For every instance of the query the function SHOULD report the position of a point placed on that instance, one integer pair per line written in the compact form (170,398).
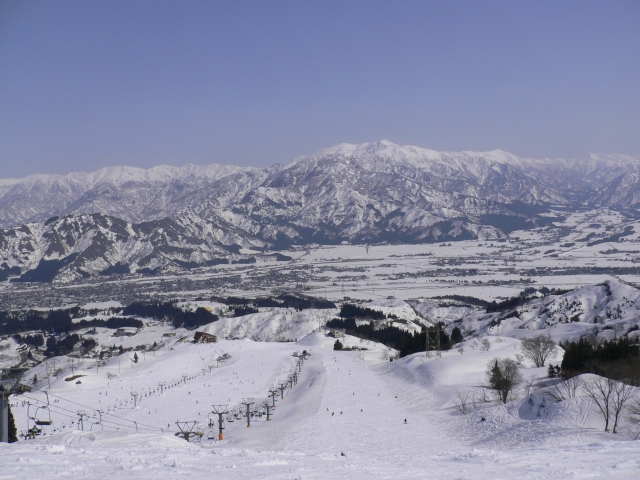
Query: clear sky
(86,84)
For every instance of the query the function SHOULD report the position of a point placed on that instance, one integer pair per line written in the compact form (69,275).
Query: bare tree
(599,390)
(538,349)
(564,390)
(460,350)
(634,413)
(503,377)
(528,384)
(480,395)
(485,345)
(462,402)
(620,395)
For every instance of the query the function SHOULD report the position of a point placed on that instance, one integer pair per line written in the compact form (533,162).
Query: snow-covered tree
(538,349)
(503,376)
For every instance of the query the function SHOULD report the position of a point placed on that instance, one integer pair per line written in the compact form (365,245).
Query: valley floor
(345,403)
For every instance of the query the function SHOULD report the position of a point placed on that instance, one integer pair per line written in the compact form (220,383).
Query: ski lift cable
(104,413)
(52,406)
(65,415)
(73,415)
(107,423)
(151,428)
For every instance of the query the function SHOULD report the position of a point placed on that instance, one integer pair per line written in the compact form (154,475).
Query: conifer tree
(13,431)
(456,335)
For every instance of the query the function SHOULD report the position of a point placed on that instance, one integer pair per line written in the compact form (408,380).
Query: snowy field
(350,402)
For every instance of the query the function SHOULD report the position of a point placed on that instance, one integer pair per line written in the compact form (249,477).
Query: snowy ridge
(381,176)
(369,193)
(110,190)
(273,325)
(610,309)
(119,175)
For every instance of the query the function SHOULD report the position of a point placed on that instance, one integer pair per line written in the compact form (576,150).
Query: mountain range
(125,219)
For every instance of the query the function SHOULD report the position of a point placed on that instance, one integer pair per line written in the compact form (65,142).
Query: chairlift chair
(43,418)
(38,417)
(98,425)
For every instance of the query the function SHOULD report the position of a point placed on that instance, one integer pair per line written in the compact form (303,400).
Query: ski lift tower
(186,429)
(272,393)
(221,411)
(81,414)
(282,386)
(267,407)
(432,341)
(7,388)
(247,402)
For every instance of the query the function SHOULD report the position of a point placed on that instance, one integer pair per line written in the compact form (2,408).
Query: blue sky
(86,84)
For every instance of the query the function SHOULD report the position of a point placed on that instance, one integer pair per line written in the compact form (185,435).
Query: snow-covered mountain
(83,245)
(607,310)
(349,187)
(368,193)
(130,193)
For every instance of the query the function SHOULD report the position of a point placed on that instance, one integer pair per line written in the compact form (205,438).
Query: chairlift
(41,415)
(98,427)
(98,424)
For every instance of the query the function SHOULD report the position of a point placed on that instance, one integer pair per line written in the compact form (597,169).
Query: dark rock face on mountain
(76,246)
(123,219)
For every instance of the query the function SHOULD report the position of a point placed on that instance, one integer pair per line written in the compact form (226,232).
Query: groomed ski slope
(345,402)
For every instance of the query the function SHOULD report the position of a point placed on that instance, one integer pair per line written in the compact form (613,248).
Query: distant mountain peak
(366,193)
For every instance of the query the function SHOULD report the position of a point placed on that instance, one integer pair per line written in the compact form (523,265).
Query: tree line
(57,321)
(405,342)
(167,311)
(618,359)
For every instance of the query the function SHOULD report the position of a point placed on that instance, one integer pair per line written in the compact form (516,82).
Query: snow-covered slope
(272,325)
(352,414)
(607,310)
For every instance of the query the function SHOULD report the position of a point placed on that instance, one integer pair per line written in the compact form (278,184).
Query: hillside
(350,403)
(607,310)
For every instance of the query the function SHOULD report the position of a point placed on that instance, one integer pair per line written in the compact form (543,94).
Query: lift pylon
(221,411)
